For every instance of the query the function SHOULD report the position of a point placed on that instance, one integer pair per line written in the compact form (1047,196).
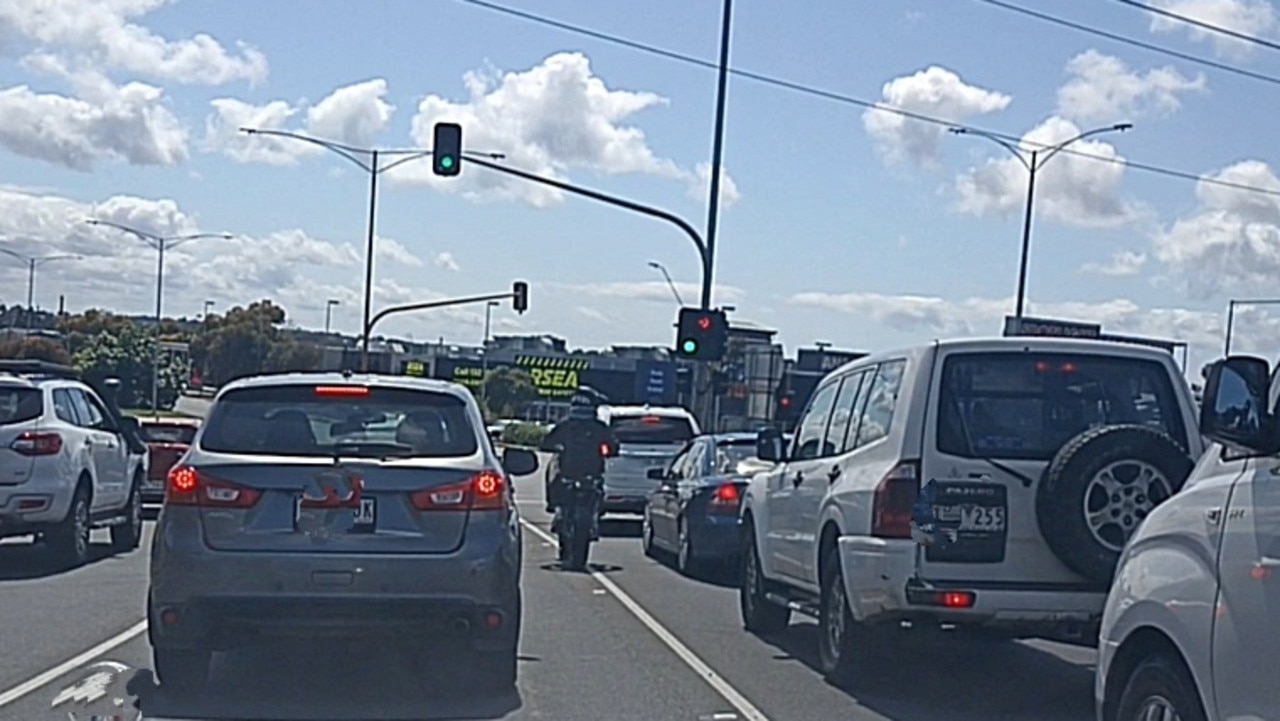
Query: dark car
(167,440)
(694,511)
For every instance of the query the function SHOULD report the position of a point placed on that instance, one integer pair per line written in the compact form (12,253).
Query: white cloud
(101,34)
(354,114)
(1103,89)
(1248,17)
(936,92)
(548,120)
(592,313)
(131,123)
(1232,241)
(650,291)
(1070,188)
(446,260)
(394,251)
(1122,263)
(700,185)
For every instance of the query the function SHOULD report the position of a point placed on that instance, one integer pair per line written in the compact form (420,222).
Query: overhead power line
(1169,52)
(848,99)
(1254,39)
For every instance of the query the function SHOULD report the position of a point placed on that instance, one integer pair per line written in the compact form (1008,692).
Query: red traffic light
(704,323)
(785,402)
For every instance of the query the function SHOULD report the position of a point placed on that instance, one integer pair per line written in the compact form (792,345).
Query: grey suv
(326,502)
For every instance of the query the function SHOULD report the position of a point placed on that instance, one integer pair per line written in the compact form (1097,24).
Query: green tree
(35,347)
(508,392)
(124,350)
(247,341)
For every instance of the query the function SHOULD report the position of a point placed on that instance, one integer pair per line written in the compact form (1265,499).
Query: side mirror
(657,473)
(770,446)
(519,461)
(1234,411)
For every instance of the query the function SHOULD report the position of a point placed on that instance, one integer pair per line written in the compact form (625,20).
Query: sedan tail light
(894,499)
(485,491)
(188,486)
(35,443)
(725,499)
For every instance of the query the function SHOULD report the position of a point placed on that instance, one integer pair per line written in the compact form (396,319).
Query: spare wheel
(1098,489)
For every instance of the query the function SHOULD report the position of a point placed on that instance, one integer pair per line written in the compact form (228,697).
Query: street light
(207,305)
(161,243)
(484,355)
(33,261)
(373,168)
(328,312)
(670,284)
(1033,165)
(1231,314)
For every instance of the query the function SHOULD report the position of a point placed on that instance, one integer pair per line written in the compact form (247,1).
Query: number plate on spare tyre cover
(972,521)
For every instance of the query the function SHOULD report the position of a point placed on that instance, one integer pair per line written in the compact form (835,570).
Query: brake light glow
(725,499)
(342,391)
(485,491)
(651,419)
(34,443)
(895,496)
(956,599)
(187,486)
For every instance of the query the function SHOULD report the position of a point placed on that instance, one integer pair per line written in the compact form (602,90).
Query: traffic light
(520,296)
(446,149)
(701,334)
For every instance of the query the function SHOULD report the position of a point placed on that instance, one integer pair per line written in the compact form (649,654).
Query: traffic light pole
(613,200)
(427,305)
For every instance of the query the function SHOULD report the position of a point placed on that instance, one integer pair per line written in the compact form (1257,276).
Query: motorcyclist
(582,442)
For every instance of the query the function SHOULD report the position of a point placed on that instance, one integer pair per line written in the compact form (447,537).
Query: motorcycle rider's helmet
(583,406)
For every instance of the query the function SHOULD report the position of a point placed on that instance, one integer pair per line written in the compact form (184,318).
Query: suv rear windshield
(1028,405)
(168,433)
(304,420)
(19,405)
(651,429)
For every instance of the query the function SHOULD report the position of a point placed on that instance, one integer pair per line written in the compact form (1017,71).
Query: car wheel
(1160,688)
(182,669)
(1099,488)
(759,615)
(646,535)
(686,561)
(70,540)
(128,535)
(844,644)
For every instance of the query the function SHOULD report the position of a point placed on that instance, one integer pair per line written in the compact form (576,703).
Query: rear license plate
(362,518)
(972,521)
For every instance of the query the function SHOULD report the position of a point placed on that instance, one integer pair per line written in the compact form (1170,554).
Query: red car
(168,439)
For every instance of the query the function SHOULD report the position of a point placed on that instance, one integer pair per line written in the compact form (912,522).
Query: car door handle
(1213,515)
(797,479)
(1269,562)
(833,474)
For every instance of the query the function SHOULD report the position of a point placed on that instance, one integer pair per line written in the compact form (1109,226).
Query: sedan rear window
(19,405)
(1028,405)
(304,420)
(651,429)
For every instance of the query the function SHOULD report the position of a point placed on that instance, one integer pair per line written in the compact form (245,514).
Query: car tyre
(686,560)
(69,542)
(844,644)
(182,669)
(759,614)
(1157,686)
(128,535)
(646,535)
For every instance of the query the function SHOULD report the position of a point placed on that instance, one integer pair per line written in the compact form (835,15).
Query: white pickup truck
(974,487)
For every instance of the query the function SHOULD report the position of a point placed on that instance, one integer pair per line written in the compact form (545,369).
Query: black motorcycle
(578,508)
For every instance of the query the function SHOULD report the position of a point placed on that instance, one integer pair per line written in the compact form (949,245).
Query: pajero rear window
(1028,405)
(19,404)
(651,429)
(340,420)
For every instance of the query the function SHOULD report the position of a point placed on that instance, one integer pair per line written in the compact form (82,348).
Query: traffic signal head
(701,334)
(520,296)
(446,149)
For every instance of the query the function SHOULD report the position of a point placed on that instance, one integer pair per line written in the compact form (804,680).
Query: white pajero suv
(1191,630)
(68,462)
(988,485)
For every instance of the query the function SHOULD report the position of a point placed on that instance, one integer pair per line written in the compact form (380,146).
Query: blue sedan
(693,513)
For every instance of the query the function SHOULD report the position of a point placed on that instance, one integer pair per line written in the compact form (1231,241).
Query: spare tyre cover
(1099,487)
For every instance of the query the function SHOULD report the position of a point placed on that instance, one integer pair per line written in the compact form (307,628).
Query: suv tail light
(725,499)
(35,443)
(188,486)
(485,491)
(895,496)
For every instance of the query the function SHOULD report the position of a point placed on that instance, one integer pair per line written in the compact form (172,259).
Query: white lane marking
(699,667)
(71,664)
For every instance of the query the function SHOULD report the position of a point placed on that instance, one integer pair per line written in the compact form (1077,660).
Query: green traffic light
(446,161)
(690,346)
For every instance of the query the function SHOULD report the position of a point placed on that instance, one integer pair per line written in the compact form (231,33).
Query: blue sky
(861,231)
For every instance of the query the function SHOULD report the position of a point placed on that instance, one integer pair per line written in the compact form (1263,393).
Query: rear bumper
(881,585)
(715,535)
(619,503)
(33,507)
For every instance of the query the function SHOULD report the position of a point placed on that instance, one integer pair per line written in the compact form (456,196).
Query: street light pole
(1231,314)
(717,152)
(161,243)
(204,315)
(670,284)
(484,356)
(32,262)
(328,313)
(1033,165)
